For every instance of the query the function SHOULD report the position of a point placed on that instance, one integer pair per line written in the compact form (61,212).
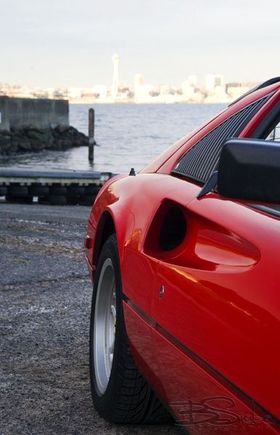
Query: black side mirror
(250,169)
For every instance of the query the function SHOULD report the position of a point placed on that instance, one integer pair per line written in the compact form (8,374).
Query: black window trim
(266,209)
(266,98)
(268,124)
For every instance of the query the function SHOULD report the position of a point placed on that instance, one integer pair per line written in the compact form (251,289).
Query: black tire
(128,399)
(72,200)
(43,200)
(17,190)
(92,190)
(39,190)
(75,190)
(86,200)
(58,190)
(19,199)
(3,190)
(57,200)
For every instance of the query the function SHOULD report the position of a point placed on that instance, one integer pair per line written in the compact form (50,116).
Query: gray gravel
(44,320)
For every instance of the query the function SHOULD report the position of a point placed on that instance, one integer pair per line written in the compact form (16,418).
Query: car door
(217,311)
(221,298)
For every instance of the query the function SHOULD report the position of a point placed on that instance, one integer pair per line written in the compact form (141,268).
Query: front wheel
(120,393)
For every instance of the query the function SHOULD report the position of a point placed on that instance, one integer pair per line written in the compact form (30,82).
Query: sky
(64,43)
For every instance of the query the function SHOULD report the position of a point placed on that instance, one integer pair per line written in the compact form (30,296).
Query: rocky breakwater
(31,139)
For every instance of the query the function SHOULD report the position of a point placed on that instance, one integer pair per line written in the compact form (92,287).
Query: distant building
(138,80)
(164,89)
(100,91)
(115,84)
(189,88)
(235,90)
(215,89)
(212,82)
(143,93)
(75,93)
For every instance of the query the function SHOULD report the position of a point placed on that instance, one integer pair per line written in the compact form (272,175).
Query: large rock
(6,145)
(32,139)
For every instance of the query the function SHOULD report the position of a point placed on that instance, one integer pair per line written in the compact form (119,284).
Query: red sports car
(184,258)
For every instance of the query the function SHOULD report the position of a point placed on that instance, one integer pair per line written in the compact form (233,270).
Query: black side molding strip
(247,400)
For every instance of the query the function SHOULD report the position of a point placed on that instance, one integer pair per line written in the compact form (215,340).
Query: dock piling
(91,140)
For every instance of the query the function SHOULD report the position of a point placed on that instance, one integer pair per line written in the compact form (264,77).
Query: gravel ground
(44,320)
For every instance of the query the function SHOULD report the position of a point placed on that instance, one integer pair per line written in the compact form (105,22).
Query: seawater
(127,135)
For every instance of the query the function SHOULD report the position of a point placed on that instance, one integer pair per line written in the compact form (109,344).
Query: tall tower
(115,85)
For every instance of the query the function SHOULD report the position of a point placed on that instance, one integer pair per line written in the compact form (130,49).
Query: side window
(202,159)
(275,133)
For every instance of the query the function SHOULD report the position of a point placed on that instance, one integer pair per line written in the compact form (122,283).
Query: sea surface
(127,135)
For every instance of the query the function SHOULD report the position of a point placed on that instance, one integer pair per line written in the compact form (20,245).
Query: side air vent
(168,228)
(201,160)
(173,229)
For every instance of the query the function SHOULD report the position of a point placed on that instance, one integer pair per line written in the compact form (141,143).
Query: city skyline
(55,44)
(214,90)
(116,80)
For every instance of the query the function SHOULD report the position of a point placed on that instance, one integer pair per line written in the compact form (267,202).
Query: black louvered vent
(202,159)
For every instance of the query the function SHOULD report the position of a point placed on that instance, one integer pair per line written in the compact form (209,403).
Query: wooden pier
(51,187)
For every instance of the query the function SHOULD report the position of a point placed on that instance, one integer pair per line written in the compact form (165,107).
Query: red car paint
(203,319)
